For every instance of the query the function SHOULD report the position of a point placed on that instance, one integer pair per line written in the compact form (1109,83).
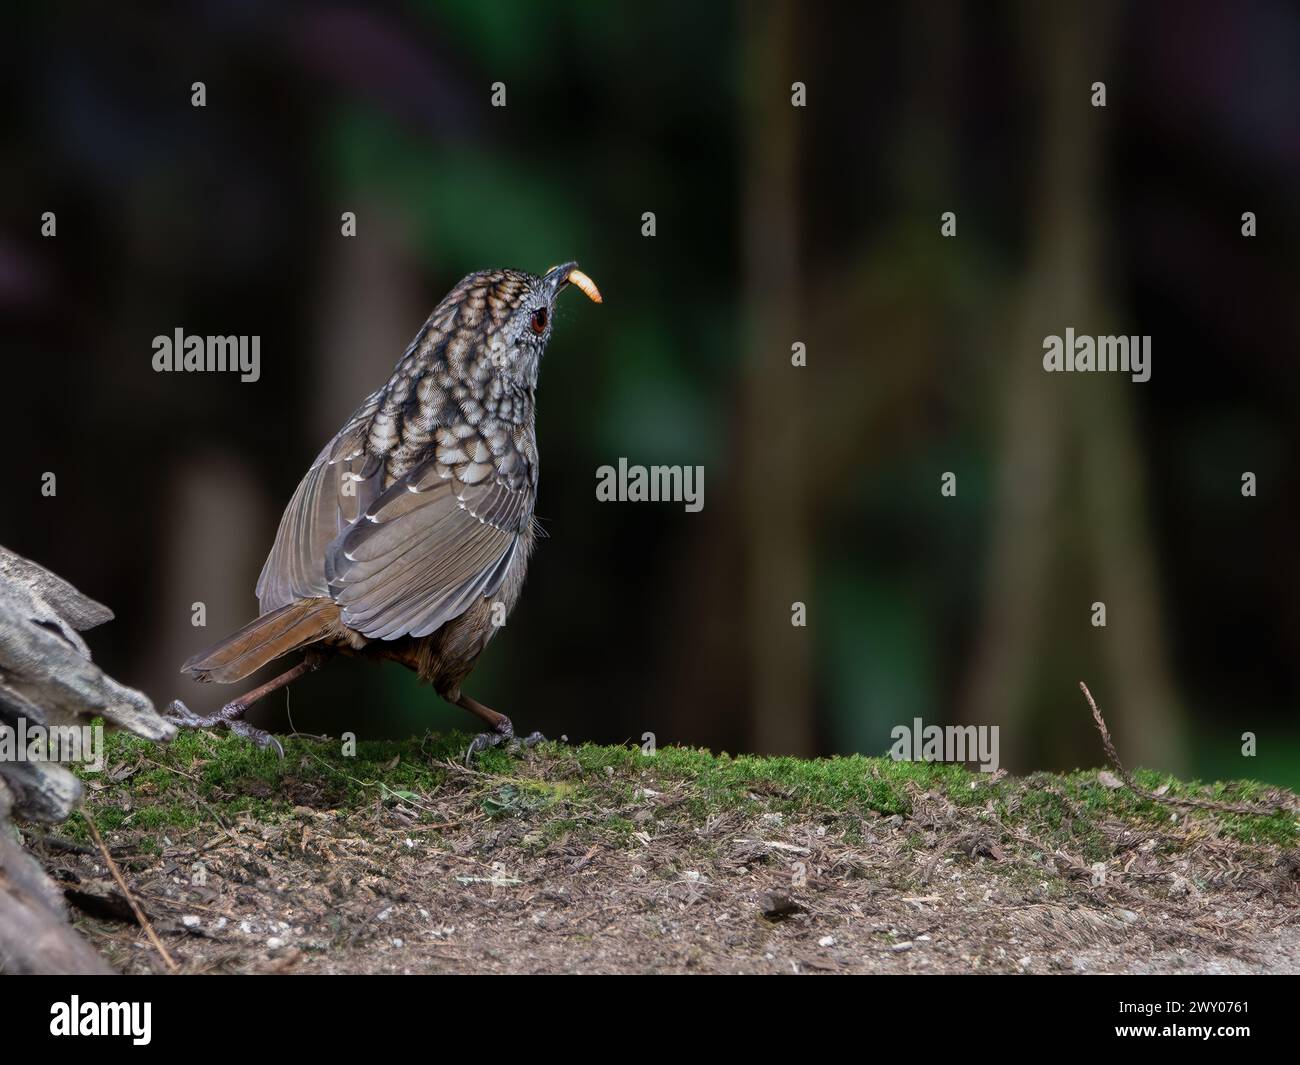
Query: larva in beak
(588,287)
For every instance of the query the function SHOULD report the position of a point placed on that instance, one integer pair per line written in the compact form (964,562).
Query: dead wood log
(48,682)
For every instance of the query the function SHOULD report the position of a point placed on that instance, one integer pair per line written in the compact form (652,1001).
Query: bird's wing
(341,483)
(432,542)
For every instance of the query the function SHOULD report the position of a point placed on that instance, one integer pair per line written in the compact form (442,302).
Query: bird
(409,537)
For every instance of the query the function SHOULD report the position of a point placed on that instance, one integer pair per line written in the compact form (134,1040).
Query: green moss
(854,784)
(209,778)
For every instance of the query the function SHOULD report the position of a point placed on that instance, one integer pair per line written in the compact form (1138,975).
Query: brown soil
(446,884)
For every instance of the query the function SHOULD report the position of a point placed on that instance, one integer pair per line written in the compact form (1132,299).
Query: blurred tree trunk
(807,437)
(1043,503)
(219,530)
(774,512)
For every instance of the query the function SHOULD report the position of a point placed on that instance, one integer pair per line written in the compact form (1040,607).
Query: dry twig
(1217,805)
(126,892)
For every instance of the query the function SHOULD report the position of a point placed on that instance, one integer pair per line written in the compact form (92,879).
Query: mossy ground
(203,776)
(554,840)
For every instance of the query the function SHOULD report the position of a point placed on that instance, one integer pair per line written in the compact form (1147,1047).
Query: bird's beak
(569,274)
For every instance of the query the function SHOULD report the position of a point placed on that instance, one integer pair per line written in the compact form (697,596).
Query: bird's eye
(539,321)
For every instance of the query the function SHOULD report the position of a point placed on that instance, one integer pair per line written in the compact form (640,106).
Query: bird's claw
(504,732)
(257,736)
(182,716)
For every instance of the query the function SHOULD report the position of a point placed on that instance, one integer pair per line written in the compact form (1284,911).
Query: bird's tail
(269,637)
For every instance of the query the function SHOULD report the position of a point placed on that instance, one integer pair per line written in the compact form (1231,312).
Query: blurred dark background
(775,225)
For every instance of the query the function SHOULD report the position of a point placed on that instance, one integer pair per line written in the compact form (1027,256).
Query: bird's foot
(502,732)
(231,716)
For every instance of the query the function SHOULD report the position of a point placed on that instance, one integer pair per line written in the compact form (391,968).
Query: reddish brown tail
(261,641)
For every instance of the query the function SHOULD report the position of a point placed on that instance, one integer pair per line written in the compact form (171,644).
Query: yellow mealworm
(586,284)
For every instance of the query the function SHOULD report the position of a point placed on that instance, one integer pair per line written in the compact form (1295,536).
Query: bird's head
(502,319)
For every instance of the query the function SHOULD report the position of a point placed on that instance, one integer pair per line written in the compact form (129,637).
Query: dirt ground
(555,863)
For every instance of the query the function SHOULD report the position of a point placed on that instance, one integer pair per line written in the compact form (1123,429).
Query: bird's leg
(501,730)
(232,714)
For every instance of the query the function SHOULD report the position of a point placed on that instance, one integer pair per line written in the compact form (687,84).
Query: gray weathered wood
(48,679)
